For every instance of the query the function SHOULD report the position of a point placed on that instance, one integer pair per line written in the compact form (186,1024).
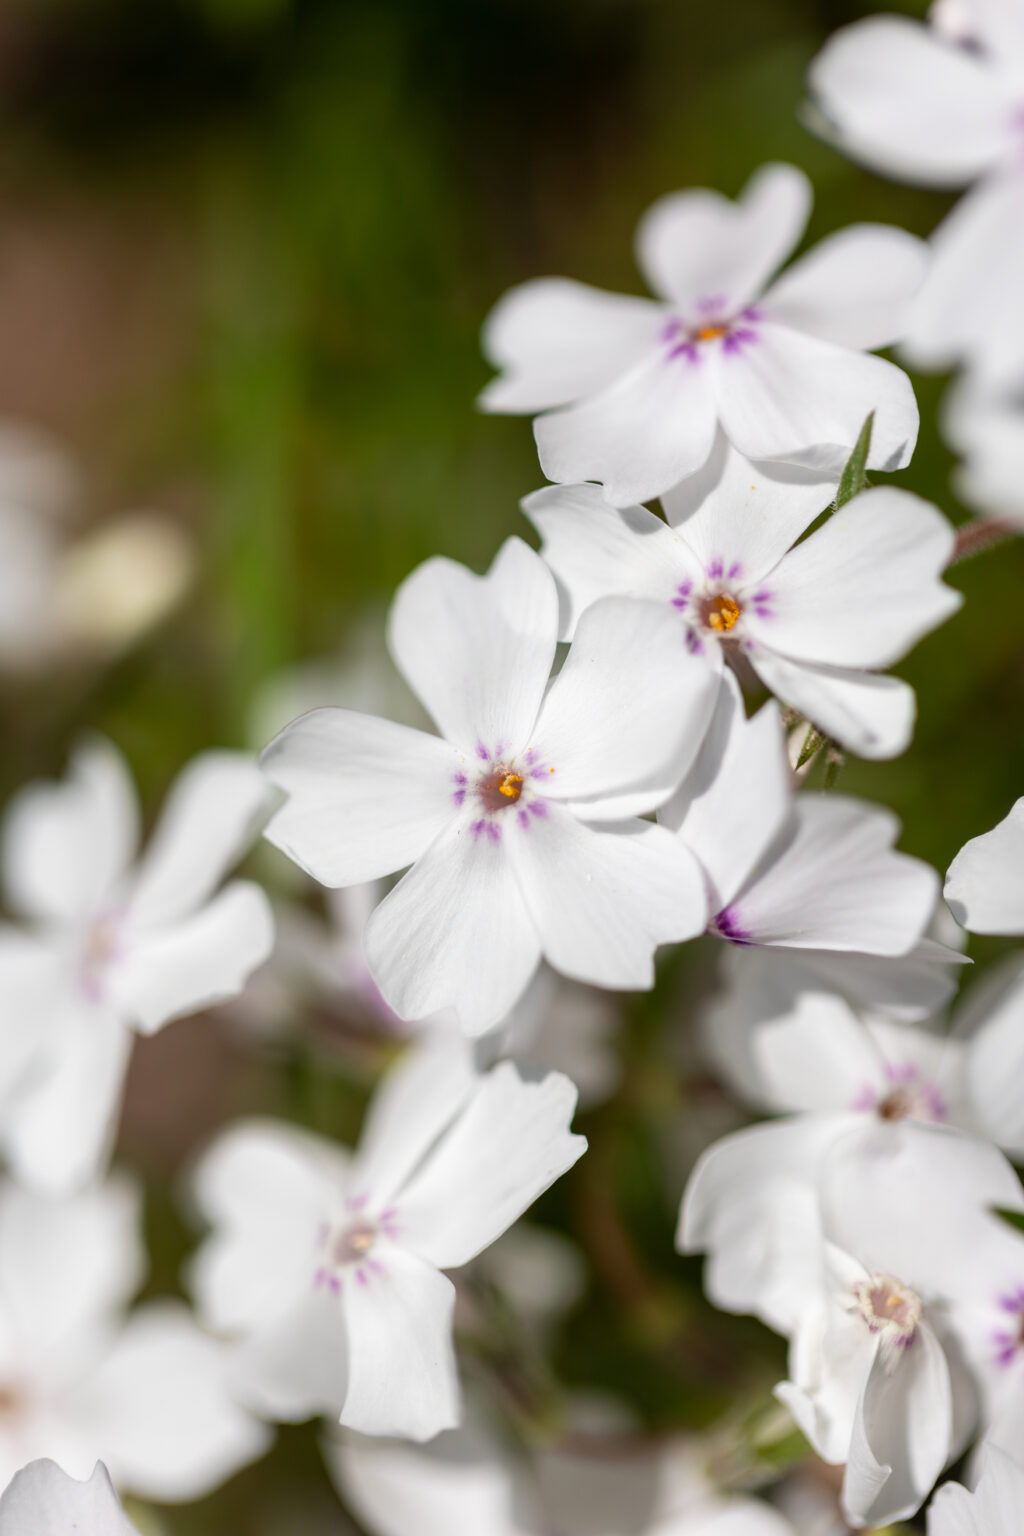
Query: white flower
(43,1500)
(112,947)
(644,383)
(993,1509)
(814,872)
(786,1046)
(329,1267)
(985,884)
(988,431)
(944,106)
(872,1389)
(82,1380)
(816,622)
(519,821)
(466,1482)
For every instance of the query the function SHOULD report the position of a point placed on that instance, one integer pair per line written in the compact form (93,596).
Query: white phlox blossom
(993,1509)
(817,622)
(635,389)
(81,1378)
(42,1500)
(520,821)
(785,1045)
(464,1481)
(988,431)
(809,872)
(943,105)
(110,946)
(985,883)
(327,1267)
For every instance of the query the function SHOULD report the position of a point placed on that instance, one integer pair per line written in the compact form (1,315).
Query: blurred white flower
(993,1509)
(42,1500)
(634,389)
(110,946)
(328,1267)
(810,872)
(816,621)
(520,821)
(82,1379)
(465,1482)
(985,883)
(988,431)
(944,106)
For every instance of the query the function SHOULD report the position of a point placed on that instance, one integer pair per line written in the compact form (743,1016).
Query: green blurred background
(246,247)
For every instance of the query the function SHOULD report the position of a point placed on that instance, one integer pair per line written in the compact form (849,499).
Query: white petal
(54,1305)
(985,884)
(198,961)
(604,897)
(737,797)
(458,1483)
(67,844)
(210,816)
(864,587)
(510,1142)
(989,432)
(597,550)
(33,986)
(750,1205)
(455,932)
(478,649)
(867,714)
(639,436)
(625,716)
(43,1500)
(992,1022)
(854,288)
(739,512)
(365,796)
(402,1377)
(266,1188)
(296,1366)
(905,987)
(903,1428)
(694,246)
(971,308)
(910,103)
(789,396)
(558,341)
(160,1407)
(58,1133)
(838,884)
(418,1098)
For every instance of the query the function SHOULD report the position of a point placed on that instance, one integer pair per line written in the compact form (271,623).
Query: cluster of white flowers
(554,818)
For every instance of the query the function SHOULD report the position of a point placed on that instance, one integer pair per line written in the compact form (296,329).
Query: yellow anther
(511,786)
(712,332)
(720,612)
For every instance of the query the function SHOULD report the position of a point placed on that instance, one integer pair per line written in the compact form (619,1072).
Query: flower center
(101,947)
(719,612)
(891,1309)
(712,332)
(353,1243)
(501,788)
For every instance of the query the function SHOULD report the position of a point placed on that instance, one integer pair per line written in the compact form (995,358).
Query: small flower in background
(816,621)
(520,821)
(82,1377)
(42,1500)
(944,106)
(634,389)
(328,1267)
(109,946)
(993,1509)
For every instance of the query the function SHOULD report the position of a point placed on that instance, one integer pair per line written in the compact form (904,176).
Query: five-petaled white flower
(944,105)
(43,1500)
(328,1267)
(816,622)
(985,883)
(81,1378)
(521,820)
(642,384)
(112,947)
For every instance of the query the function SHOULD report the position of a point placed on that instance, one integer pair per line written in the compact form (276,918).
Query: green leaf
(854,478)
(813,742)
(1013,1218)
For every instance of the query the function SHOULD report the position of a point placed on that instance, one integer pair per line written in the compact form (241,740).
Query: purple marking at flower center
(102,947)
(1009,1342)
(726,925)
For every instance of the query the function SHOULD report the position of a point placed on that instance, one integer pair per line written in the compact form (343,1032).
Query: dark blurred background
(246,247)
